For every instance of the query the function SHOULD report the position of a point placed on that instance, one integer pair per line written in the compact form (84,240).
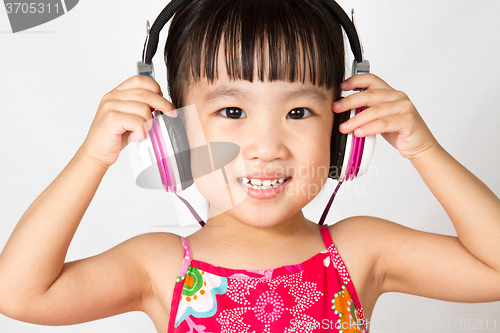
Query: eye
(298,113)
(232,113)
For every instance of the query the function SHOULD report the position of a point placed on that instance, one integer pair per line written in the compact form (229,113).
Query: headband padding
(180,144)
(338,145)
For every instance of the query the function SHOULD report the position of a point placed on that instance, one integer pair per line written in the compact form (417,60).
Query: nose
(265,139)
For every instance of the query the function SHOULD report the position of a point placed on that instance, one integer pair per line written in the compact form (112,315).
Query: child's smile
(264,186)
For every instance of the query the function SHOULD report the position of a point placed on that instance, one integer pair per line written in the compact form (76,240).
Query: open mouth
(263,184)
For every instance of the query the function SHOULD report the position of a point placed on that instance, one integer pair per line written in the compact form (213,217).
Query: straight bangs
(285,40)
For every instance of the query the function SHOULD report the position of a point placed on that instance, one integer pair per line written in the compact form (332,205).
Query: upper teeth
(267,182)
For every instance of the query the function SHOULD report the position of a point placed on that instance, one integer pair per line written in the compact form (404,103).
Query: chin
(263,218)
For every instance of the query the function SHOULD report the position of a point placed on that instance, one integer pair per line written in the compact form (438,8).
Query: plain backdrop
(443,54)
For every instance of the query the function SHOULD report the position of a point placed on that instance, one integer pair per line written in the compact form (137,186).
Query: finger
(121,122)
(130,126)
(137,134)
(138,108)
(148,97)
(394,123)
(371,114)
(364,81)
(367,98)
(142,82)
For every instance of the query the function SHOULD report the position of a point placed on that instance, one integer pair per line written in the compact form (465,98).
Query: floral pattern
(198,294)
(349,321)
(266,306)
(294,298)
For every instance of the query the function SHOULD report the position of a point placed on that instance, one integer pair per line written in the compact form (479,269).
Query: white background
(443,54)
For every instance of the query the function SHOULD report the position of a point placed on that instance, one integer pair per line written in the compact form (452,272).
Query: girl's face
(283,130)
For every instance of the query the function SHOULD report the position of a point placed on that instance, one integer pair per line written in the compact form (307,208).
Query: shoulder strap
(186,260)
(327,237)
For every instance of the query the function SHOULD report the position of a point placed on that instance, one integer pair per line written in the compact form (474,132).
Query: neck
(227,227)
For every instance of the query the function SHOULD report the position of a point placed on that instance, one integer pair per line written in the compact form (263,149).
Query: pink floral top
(314,296)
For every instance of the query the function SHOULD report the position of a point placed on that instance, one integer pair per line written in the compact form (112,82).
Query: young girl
(261,266)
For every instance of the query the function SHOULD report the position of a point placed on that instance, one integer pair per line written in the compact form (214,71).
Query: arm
(38,287)
(463,268)
(472,207)
(35,283)
(424,264)
(34,254)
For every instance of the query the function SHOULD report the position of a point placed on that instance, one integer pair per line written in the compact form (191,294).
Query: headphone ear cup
(337,145)
(180,145)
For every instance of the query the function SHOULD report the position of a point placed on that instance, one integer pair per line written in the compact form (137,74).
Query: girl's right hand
(121,111)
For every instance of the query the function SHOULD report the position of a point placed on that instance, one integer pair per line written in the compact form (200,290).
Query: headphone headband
(151,44)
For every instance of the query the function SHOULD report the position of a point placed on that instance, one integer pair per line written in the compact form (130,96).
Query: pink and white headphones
(349,156)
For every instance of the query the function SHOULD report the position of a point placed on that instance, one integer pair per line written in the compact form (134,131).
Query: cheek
(212,185)
(193,123)
(313,157)
(315,165)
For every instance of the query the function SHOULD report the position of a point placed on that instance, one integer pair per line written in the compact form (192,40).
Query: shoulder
(367,233)
(361,229)
(360,242)
(371,245)
(357,238)
(161,255)
(357,232)
(368,237)
(158,250)
(157,242)
(365,245)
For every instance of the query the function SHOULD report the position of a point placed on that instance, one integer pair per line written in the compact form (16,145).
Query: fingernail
(344,126)
(359,131)
(135,136)
(343,85)
(336,105)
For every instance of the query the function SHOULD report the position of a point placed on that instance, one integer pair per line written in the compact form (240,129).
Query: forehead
(224,85)
(281,91)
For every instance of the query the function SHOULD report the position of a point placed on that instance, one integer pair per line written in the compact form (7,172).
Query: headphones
(349,155)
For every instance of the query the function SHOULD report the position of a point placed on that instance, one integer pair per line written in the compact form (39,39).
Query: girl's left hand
(389,113)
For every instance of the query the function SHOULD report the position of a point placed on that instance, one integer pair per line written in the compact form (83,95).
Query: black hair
(300,35)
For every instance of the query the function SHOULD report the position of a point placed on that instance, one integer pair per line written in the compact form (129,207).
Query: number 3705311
(32,7)
(471,324)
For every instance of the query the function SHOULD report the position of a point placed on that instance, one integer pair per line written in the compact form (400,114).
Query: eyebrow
(226,90)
